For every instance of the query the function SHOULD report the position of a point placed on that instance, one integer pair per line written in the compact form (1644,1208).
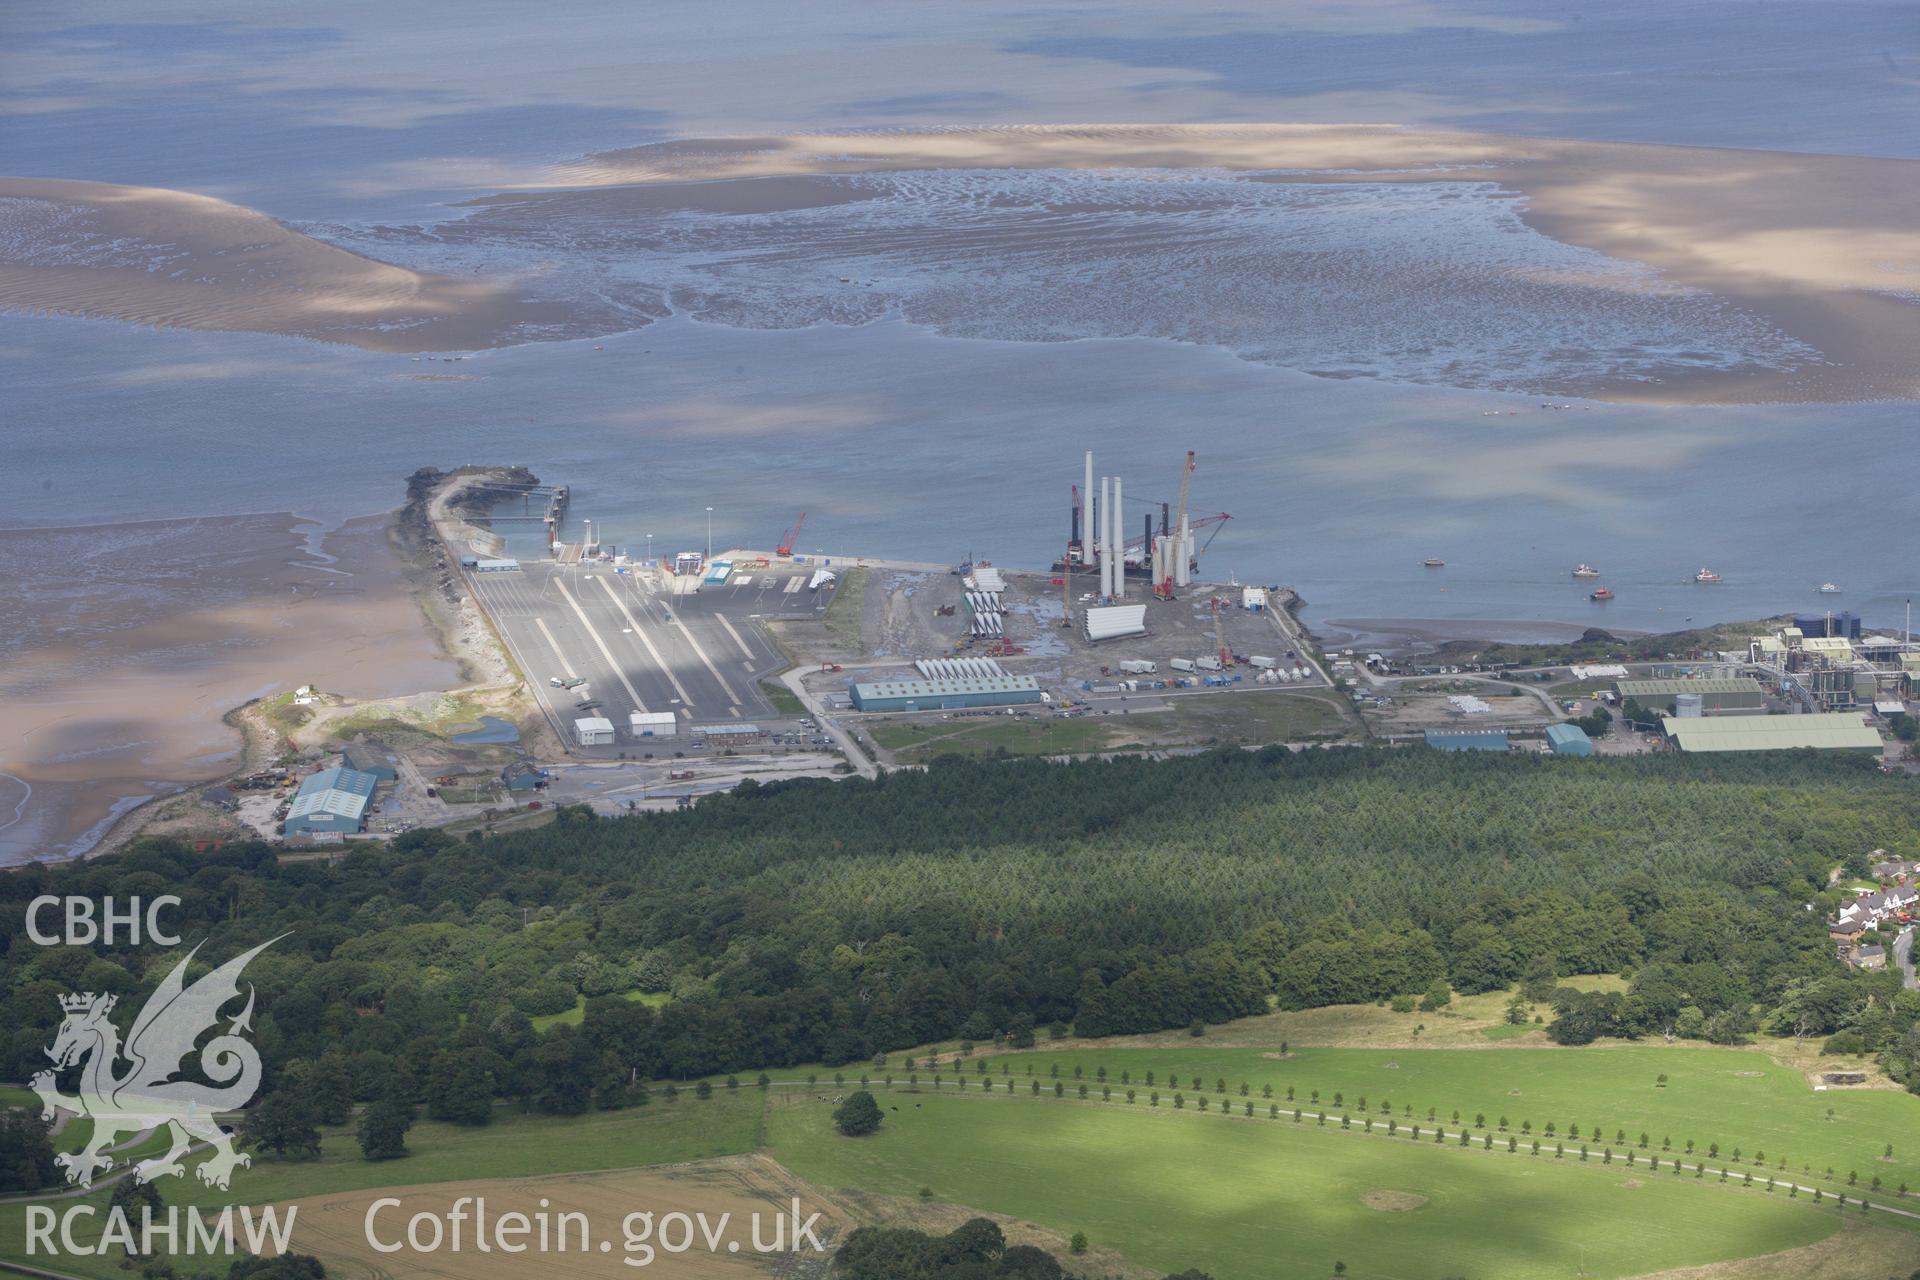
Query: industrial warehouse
(1820,731)
(331,802)
(937,695)
(1705,695)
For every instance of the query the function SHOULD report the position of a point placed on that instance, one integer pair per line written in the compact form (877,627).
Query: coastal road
(1903,956)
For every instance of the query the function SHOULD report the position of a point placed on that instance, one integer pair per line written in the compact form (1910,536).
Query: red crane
(791,536)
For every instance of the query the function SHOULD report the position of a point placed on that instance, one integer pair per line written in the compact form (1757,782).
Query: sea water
(935,403)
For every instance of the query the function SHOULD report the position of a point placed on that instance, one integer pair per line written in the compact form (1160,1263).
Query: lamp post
(709,533)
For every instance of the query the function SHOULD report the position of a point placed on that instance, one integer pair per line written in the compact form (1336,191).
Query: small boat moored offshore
(1601,593)
(1433,562)
(1586,571)
(1706,575)
(1829,589)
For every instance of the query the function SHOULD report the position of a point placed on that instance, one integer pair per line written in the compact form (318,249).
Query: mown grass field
(1731,1097)
(1243,716)
(921,739)
(512,1146)
(1253,1199)
(575,1016)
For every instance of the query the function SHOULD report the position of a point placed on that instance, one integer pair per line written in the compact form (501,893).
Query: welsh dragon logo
(145,1095)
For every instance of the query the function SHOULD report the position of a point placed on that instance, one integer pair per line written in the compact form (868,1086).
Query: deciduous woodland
(980,900)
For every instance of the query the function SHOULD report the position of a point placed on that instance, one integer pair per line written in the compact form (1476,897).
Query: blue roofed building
(1568,740)
(369,757)
(1467,739)
(333,800)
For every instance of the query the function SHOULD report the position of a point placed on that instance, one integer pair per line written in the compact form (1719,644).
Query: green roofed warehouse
(1832,731)
(1715,695)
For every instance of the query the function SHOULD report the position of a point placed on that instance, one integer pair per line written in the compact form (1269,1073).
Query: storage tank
(1688,706)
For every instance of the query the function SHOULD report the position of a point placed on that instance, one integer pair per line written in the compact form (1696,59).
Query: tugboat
(1706,575)
(1586,571)
(1601,593)
(1829,589)
(1433,562)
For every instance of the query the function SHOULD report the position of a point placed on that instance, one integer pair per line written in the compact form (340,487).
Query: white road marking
(736,636)
(566,668)
(701,654)
(646,640)
(598,642)
(793,585)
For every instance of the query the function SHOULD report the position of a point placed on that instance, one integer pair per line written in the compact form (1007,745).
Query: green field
(1252,1199)
(1240,716)
(575,1016)
(514,1145)
(843,616)
(781,699)
(1731,1097)
(918,740)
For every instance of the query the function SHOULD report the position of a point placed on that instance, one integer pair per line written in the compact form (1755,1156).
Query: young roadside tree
(858,1116)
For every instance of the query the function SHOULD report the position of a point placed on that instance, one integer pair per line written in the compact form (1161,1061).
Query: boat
(1601,593)
(1433,562)
(1706,575)
(1586,571)
(1829,589)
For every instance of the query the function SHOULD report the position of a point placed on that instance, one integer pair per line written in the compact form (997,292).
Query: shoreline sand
(150,256)
(124,669)
(1825,249)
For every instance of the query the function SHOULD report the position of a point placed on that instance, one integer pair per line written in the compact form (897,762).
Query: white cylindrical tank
(1688,706)
(1119,546)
